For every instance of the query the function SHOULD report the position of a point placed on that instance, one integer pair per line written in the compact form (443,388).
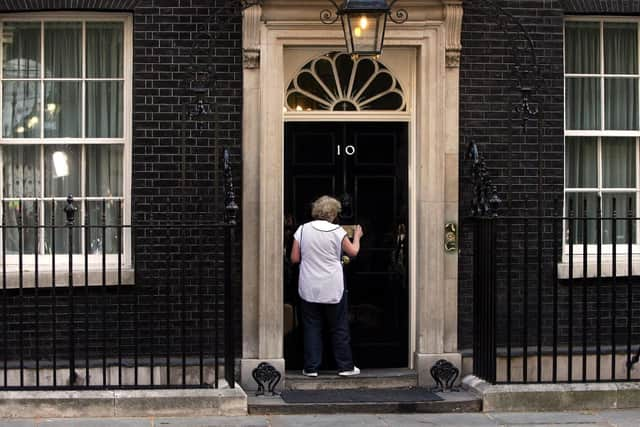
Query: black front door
(365,166)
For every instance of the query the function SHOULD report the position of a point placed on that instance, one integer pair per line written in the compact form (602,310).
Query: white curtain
(581,162)
(21,50)
(104,98)
(618,163)
(63,49)
(21,177)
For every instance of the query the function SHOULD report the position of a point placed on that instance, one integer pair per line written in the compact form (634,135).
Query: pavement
(618,418)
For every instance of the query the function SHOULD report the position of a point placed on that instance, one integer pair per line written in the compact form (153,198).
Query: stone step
(452,402)
(368,378)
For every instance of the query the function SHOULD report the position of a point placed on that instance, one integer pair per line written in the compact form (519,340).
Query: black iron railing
(154,308)
(556,297)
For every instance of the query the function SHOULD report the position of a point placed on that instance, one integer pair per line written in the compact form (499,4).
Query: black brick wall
(486,97)
(601,7)
(34,5)
(165,44)
(487,94)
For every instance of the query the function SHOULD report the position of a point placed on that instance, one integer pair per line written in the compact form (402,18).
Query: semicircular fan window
(336,82)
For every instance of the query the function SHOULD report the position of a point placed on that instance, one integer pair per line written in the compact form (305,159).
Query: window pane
(583,103)
(575,204)
(21,170)
(21,109)
(104,170)
(104,109)
(113,216)
(618,162)
(62,170)
(62,115)
(60,235)
(621,104)
(581,162)
(11,211)
(582,48)
(63,49)
(622,208)
(104,49)
(620,48)
(21,49)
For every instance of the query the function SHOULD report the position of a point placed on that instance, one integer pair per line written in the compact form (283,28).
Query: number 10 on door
(349,150)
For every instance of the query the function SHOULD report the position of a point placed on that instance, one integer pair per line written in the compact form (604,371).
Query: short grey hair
(326,208)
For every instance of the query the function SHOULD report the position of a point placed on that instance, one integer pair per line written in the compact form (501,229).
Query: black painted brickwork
(33,5)
(165,44)
(601,7)
(486,97)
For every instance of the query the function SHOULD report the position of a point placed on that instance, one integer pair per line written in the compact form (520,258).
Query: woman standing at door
(318,247)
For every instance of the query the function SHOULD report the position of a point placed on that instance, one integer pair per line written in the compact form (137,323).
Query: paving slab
(621,417)
(96,422)
(17,423)
(452,420)
(212,422)
(545,418)
(327,421)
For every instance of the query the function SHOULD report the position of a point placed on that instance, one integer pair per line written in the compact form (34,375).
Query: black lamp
(364,23)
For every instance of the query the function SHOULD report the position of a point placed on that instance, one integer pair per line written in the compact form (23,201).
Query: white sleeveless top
(321,278)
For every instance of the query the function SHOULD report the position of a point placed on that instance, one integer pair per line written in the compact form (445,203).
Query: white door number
(349,150)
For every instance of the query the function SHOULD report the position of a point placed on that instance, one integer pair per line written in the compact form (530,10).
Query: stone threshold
(369,378)
(453,402)
(553,397)
(224,401)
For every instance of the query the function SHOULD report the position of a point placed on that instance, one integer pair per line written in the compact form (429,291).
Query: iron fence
(556,297)
(153,308)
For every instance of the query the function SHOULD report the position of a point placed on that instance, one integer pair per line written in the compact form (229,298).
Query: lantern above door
(364,23)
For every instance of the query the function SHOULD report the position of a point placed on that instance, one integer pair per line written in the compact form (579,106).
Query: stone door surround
(433,33)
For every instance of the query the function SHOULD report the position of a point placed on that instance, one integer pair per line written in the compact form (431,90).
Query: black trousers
(314,315)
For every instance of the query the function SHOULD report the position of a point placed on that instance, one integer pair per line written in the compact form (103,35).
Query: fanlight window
(337,82)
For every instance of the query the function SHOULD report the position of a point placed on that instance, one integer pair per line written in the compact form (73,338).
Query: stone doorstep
(369,378)
(553,397)
(454,402)
(124,403)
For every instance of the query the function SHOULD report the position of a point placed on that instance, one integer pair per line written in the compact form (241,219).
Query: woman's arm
(352,249)
(295,252)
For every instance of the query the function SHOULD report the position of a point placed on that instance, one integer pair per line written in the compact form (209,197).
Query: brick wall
(514,164)
(487,97)
(167,291)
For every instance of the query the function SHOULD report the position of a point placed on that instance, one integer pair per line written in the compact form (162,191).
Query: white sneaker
(309,374)
(354,371)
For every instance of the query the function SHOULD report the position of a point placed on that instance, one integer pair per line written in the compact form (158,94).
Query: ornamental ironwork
(266,375)
(485,200)
(338,82)
(445,374)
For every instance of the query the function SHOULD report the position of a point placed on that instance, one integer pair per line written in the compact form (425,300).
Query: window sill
(93,278)
(606,267)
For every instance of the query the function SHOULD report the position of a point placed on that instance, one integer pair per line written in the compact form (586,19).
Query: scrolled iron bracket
(445,374)
(266,375)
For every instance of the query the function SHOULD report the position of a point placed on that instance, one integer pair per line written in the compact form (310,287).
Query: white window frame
(606,249)
(62,260)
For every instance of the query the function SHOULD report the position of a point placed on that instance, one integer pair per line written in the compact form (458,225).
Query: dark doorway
(364,165)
